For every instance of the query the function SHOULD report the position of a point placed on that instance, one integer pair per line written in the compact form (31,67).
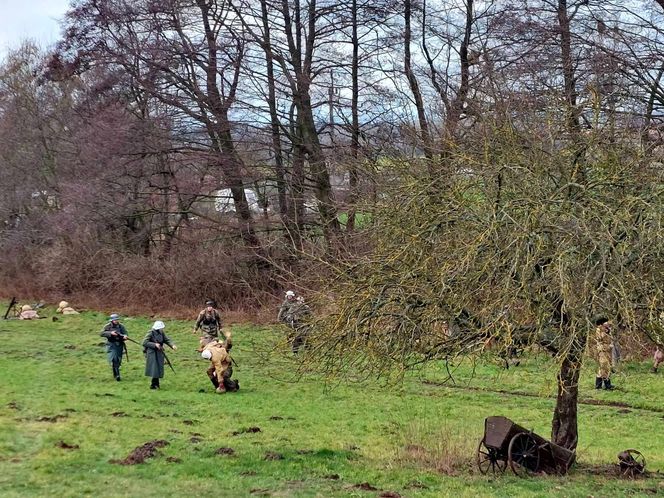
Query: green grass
(417,439)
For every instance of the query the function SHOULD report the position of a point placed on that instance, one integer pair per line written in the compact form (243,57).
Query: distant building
(223,201)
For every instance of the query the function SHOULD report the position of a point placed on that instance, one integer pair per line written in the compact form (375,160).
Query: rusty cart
(506,443)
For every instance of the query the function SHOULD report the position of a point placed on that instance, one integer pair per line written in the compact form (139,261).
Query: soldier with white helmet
(153,346)
(286,310)
(221,368)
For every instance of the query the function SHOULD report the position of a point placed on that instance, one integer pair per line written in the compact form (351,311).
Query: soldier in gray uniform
(116,335)
(153,346)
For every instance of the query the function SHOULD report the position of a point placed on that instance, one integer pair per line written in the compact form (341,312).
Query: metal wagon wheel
(523,454)
(632,463)
(488,460)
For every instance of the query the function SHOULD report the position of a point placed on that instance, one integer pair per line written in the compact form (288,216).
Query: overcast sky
(35,19)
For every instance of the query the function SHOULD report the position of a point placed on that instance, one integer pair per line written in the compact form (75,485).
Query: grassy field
(66,425)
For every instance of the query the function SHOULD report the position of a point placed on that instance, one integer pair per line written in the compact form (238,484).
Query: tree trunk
(415,89)
(572,109)
(564,428)
(280,170)
(355,125)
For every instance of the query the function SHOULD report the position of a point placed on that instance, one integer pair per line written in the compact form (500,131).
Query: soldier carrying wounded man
(221,368)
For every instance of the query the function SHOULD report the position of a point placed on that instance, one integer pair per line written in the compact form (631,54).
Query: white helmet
(158,325)
(207,354)
(290,293)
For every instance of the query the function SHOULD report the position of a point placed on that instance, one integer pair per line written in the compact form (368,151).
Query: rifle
(168,362)
(126,352)
(9,308)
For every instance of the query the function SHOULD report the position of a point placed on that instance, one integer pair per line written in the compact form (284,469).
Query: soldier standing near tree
(116,335)
(285,314)
(603,343)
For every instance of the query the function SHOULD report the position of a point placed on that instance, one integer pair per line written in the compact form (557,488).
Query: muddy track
(586,401)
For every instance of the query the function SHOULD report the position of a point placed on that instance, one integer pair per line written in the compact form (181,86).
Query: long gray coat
(115,345)
(154,358)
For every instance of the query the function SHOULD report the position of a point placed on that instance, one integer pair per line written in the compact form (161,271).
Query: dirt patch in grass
(260,491)
(51,419)
(66,446)
(224,451)
(333,477)
(273,455)
(246,430)
(612,471)
(417,485)
(188,422)
(142,453)
(195,439)
(276,417)
(365,486)
(13,405)
(389,494)
(172,459)
(118,414)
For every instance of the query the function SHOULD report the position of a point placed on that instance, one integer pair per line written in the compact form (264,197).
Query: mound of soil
(273,455)
(54,418)
(246,430)
(224,451)
(66,446)
(366,487)
(142,453)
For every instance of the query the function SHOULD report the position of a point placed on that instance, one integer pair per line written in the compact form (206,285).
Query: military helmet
(290,293)
(26,307)
(209,302)
(114,316)
(63,304)
(206,355)
(159,325)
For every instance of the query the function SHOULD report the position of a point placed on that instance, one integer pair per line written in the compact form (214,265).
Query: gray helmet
(114,316)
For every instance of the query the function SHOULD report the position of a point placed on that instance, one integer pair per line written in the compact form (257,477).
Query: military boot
(154,384)
(116,371)
(654,370)
(598,383)
(607,385)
